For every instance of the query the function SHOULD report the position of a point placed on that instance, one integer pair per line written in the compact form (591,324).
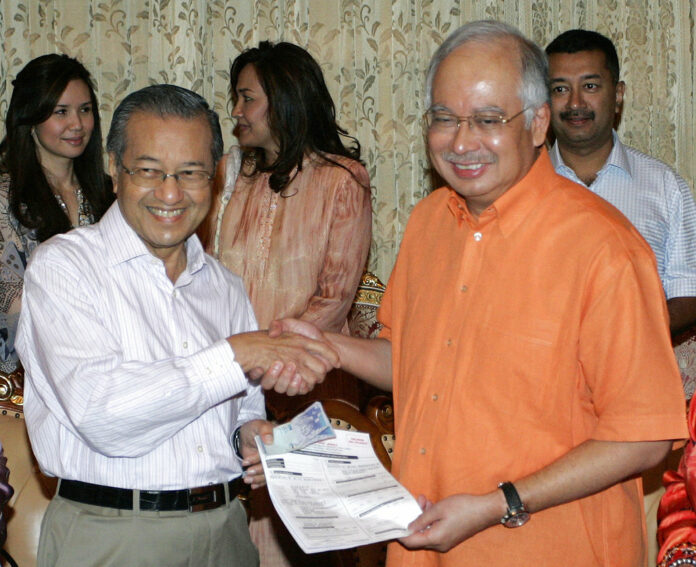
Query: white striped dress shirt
(129,379)
(659,204)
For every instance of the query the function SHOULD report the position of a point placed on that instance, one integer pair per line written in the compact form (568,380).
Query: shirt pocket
(517,362)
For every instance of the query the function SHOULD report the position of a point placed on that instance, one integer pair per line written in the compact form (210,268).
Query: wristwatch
(517,514)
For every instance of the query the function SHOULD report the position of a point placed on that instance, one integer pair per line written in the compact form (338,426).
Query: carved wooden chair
(376,417)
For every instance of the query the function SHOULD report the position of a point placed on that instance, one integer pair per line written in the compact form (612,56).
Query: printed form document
(335,494)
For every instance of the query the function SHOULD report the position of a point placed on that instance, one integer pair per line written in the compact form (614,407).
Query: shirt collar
(618,158)
(513,206)
(124,244)
(516,203)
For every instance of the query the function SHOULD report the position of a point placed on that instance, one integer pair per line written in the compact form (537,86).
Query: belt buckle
(206,498)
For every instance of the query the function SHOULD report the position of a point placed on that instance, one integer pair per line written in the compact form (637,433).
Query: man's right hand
(301,362)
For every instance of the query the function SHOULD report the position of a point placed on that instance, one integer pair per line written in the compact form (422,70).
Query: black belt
(191,499)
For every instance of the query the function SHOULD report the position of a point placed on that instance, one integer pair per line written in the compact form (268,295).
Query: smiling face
(251,112)
(584,101)
(66,133)
(166,215)
(482,166)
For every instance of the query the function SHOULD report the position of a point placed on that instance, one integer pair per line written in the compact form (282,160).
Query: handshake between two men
(296,356)
(290,360)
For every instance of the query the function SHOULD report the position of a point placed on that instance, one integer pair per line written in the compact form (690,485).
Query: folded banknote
(305,428)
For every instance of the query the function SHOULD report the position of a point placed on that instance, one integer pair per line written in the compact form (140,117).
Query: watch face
(519,519)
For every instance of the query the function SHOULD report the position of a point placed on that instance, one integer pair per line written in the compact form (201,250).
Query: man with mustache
(586,102)
(525,337)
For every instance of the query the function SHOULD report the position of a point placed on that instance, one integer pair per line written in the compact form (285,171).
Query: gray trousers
(82,535)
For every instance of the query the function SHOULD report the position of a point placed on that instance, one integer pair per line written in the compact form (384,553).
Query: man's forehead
(488,70)
(586,62)
(140,116)
(147,127)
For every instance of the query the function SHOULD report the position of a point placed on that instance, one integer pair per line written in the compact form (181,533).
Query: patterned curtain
(374,54)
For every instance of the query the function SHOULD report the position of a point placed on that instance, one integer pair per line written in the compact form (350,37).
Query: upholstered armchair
(33,490)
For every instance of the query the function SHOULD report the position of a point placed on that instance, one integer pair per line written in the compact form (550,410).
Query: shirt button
(478,236)
(185,344)
(434,397)
(422,451)
(449,342)
(175,293)
(464,288)
(200,448)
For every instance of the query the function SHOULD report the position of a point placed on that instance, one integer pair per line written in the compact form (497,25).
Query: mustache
(578,113)
(471,157)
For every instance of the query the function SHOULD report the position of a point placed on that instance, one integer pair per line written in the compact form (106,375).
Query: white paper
(335,494)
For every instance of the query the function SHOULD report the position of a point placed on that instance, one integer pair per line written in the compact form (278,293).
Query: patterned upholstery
(685,351)
(362,319)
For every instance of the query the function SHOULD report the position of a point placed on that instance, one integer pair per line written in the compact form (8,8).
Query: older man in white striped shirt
(137,346)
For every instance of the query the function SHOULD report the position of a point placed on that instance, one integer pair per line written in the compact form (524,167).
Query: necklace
(84,215)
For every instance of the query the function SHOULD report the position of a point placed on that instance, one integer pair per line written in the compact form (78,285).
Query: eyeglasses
(149,178)
(481,122)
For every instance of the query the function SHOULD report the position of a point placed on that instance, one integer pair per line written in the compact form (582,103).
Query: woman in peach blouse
(293,217)
(295,221)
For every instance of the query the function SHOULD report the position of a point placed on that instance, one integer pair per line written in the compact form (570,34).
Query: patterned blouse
(16,245)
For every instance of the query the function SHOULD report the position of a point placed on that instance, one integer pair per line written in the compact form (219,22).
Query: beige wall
(374,55)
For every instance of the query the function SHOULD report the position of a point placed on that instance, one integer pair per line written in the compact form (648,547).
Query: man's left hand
(253,473)
(447,523)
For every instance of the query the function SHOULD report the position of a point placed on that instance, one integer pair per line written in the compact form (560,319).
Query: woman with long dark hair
(295,221)
(53,174)
(294,215)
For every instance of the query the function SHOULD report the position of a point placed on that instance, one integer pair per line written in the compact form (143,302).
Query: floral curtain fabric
(374,54)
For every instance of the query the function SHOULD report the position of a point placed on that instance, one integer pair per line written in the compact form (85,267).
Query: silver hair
(534,67)
(164,101)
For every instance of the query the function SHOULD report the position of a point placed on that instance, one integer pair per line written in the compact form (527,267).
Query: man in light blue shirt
(586,101)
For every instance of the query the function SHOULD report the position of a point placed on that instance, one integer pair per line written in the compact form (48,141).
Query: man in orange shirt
(525,336)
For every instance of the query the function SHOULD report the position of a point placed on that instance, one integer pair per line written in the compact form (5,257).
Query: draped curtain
(374,55)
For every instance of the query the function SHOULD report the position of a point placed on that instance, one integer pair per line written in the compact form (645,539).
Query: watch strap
(514,502)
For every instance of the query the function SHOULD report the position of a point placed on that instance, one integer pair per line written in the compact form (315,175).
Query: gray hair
(163,101)
(534,67)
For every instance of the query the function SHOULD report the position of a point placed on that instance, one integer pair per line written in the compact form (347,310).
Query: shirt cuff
(218,372)
(680,288)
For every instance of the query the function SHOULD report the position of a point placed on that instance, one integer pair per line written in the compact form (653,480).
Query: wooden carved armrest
(12,393)
(377,421)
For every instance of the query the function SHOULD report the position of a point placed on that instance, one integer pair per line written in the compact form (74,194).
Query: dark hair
(534,69)
(573,41)
(163,101)
(301,113)
(37,90)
